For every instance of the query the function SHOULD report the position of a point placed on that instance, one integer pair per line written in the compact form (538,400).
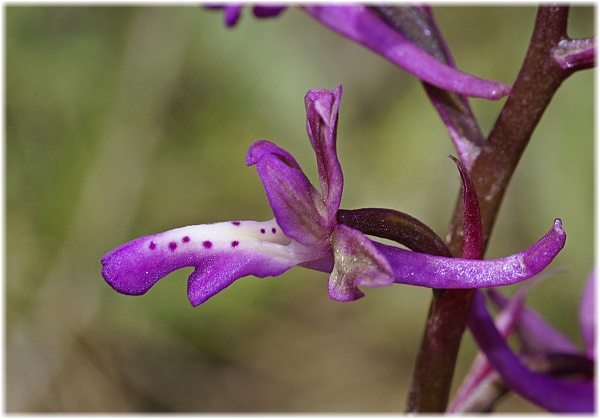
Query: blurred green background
(128,121)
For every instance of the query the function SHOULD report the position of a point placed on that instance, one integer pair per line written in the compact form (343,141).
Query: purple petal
(297,205)
(321,123)
(356,262)
(441,272)
(267,11)
(261,148)
(220,254)
(363,26)
(587,315)
(554,394)
(232,14)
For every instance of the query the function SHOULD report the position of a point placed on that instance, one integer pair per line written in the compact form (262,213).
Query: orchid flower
(363,25)
(544,351)
(306,232)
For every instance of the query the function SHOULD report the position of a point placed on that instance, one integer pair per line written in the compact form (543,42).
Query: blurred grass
(126,121)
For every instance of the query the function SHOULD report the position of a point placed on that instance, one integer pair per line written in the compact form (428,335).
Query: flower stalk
(492,169)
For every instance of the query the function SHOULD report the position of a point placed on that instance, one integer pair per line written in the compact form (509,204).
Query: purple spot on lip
(274,230)
(185,239)
(207,244)
(236,223)
(262,230)
(152,246)
(172,246)
(235,243)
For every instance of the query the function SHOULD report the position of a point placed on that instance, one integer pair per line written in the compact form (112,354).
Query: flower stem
(538,80)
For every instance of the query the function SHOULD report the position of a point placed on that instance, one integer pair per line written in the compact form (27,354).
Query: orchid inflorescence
(310,230)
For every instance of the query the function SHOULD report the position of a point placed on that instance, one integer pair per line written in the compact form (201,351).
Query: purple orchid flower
(364,26)
(305,232)
(570,390)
